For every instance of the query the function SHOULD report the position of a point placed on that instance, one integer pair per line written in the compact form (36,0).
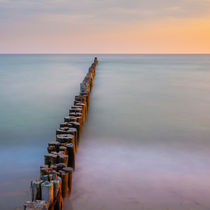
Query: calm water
(146,144)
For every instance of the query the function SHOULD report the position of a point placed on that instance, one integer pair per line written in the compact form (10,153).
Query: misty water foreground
(146,144)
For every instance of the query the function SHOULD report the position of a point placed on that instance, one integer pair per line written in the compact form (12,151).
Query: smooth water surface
(36,92)
(147,140)
(146,144)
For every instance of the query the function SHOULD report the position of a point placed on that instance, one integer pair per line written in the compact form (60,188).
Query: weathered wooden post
(77,126)
(52,175)
(87,98)
(65,124)
(59,201)
(55,144)
(68,130)
(70,119)
(77,115)
(57,184)
(63,159)
(47,192)
(83,105)
(65,178)
(50,159)
(60,166)
(44,178)
(36,205)
(36,189)
(51,149)
(96,60)
(66,138)
(69,170)
(63,150)
(71,153)
(53,167)
(74,110)
(44,170)
(80,99)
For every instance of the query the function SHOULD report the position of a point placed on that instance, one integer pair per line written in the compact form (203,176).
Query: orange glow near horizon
(91,33)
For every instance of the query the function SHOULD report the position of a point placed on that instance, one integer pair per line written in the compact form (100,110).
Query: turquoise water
(146,144)
(36,92)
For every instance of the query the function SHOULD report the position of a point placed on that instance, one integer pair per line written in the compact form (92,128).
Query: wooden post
(66,138)
(59,201)
(83,105)
(58,194)
(51,149)
(68,130)
(52,175)
(44,170)
(50,159)
(74,110)
(71,153)
(53,167)
(63,150)
(79,98)
(57,183)
(36,189)
(64,177)
(96,60)
(47,159)
(87,98)
(65,124)
(36,205)
(44,178)
(60,166)
(72,114)
(77,126)
(79,120)
(79,114)
(63,159)
(56,144)
(73,131)
(47,192)
(63,129)
(69,119)
(69,170)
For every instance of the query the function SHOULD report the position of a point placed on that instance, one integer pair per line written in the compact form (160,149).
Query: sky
(104,26)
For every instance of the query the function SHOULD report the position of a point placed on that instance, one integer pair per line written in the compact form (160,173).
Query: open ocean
(145,145)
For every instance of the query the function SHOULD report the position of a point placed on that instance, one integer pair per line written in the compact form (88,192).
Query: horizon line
(104,53)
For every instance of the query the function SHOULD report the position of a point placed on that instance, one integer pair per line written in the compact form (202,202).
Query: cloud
(29,22)
(107,9)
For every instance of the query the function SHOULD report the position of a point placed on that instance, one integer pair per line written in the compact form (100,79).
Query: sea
(145,144)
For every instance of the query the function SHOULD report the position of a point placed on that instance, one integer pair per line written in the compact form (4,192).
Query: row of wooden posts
(55,180)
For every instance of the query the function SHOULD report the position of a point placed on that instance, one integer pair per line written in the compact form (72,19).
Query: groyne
(55,182)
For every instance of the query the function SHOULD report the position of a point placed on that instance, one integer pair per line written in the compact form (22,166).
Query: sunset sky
(104,26)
